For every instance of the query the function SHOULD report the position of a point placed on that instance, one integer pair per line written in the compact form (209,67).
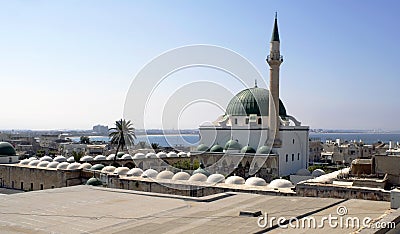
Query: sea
(193,139)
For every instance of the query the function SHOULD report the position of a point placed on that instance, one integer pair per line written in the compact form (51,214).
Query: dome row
(233,145)
(196,177)
(88,158)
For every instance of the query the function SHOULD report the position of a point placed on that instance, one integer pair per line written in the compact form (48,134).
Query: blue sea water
(192,140)
(162,140)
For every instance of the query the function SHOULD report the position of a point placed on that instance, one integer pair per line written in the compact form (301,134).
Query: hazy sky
(69,64)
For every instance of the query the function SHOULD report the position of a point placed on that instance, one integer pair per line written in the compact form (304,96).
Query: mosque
(256,122)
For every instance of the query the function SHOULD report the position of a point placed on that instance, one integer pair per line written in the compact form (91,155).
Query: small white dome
(161,155)
(100,157)
(34,163)
(73,166)
(46,158)
(198,177)
(110,157)
(216,178)
(71,159)
(234,180)
(32,158)
(165,175)
(138,156)
(85,166)
(43,164)
(150,173)
(172,154)
(280,183)
(126,156)
(53,165)
(318,172)
(303,172)
(135,172)
(255,181)
(121,170)
(24,162)
(59,159)
(151,155)
(86,158)
(108,169)
(182,154)
(181,176)
(62,165)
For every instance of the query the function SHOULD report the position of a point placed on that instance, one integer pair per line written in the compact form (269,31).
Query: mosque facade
(256,122)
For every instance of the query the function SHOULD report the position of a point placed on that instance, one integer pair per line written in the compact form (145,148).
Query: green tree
(84,140)
(77,155)
(155,146)
(122,135)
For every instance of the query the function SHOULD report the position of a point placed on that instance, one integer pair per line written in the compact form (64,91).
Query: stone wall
(30,179)
(343,192)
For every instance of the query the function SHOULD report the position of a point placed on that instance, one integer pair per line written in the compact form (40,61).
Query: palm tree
(122,135)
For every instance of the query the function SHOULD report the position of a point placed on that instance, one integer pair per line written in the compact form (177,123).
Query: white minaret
(274,60)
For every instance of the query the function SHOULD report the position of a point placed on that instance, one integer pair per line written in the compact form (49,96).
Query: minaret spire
(275,32)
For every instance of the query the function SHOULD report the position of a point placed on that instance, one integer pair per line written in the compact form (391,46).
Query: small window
(22,185)
(292,157)
(259,121)
(12,184)
(287,158)
(41,186)
(298,156)
(235,120)
(31,186)
(247,120)
(293,141)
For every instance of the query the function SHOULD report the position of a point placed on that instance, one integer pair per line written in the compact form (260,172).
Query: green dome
(201,170)
(94,182)
(6,149)
(202,147)
(232,144)
(249,101)
(263,150)
(120,154)
(97,167)
(248,149)
(217,148)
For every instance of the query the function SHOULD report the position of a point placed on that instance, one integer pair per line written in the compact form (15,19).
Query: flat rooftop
(86,209)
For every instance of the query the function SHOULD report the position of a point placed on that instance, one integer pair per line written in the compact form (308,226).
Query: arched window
(293,140)
(287,158)
(292,157)
(298,156)
(259,121)
(235,120)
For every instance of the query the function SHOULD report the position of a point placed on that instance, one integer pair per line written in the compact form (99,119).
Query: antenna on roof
(255,83)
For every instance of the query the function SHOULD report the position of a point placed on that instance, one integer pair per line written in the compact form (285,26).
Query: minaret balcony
(275,58)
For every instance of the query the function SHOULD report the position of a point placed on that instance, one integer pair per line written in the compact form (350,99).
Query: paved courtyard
(85,209)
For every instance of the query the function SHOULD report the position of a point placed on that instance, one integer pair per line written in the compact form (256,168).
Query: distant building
(315,146)
(338,152)
(102,130)
(66,149)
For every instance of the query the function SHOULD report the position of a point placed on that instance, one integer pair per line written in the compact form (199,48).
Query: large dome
(248,101)
(6,149)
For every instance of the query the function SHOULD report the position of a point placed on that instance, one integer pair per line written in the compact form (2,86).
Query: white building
(252,120)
